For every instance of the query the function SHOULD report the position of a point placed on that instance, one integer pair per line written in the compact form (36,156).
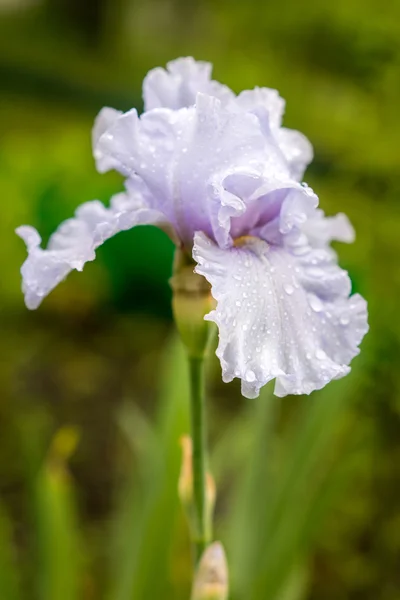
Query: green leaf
(57,531)
(149,510)
(9,577)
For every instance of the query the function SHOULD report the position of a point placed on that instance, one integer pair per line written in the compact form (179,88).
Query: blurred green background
(93,392)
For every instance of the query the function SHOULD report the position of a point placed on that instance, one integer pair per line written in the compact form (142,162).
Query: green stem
(199,458)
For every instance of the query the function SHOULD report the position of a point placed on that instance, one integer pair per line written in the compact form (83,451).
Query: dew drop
(315,303)
(238,303)
(250,376)
(344,320)
(289,289)
(315,272)
(320,354)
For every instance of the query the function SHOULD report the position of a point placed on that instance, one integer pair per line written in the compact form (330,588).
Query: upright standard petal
(106,117)
(281,315)
(75,241)
(265,98)
(297,150)
(177,86)
(269,107)
(201,165)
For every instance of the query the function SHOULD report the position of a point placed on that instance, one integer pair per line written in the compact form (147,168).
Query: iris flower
(222,177)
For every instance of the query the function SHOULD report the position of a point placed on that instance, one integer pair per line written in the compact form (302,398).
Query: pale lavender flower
(177,86)
(221,176)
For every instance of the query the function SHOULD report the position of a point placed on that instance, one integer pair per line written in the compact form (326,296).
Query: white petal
(322,230)
(269,99)
(177,86)
(195,162)
(269,107)
(104,120)
(297,150)
(75,241)
(277,319)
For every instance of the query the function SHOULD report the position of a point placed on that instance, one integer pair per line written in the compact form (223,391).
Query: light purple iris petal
(279,319)
(269,107)
(266,98)
(106,117)
(177,86)
(322,230)
(202,165)
(75,241)
(297,150)
(284,213)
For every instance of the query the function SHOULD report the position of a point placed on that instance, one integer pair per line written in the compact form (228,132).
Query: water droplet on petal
(344,320)
(238,303)
(315,272)
(250,376)
(315,303)
(289,289)
(320,354)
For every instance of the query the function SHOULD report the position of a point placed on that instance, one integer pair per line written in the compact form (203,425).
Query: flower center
(251,242)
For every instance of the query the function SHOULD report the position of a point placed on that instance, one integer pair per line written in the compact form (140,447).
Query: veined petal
(75,241)
(177,86)
(284,213)
(276,319)
(197,163)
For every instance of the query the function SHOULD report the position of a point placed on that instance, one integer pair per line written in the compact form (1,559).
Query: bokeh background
(93,391)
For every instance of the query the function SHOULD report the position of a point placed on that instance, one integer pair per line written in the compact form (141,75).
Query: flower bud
(185,488)
(185,485)
(211,580)
(191,301)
